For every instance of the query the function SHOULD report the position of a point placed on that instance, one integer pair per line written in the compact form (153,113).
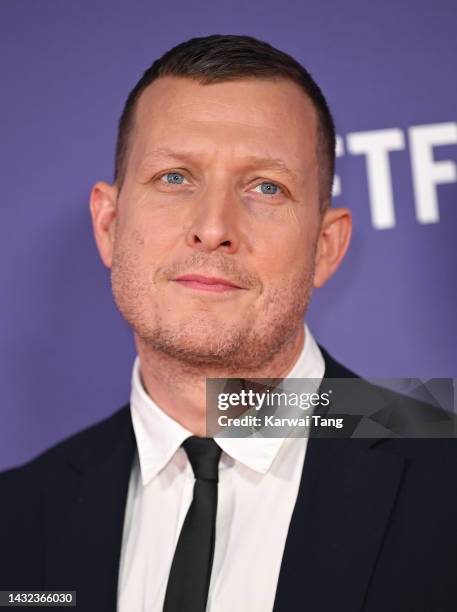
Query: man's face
(221,182)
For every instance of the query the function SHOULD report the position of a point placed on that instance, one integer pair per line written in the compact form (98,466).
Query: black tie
(188,582)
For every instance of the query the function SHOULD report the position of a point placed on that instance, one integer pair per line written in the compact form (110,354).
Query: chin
(197,341)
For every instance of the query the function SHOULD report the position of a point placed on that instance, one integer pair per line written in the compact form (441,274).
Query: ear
(103,198)
(332,244)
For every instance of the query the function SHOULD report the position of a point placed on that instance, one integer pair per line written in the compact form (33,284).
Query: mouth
(206,283)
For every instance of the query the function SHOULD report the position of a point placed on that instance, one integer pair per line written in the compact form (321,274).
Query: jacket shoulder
(415,426)
(24,492)
(89,439)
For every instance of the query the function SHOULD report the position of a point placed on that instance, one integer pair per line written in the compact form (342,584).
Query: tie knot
(203,454)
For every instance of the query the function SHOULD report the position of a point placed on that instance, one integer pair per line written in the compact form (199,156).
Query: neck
(180,389)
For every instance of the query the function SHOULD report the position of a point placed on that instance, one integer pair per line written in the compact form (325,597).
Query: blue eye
(173,178)
(269,188)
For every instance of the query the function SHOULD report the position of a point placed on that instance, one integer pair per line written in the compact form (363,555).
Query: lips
(206,283)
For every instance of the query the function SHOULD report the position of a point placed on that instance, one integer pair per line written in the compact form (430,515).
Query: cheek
(148,239)
(131,275)
(285,253)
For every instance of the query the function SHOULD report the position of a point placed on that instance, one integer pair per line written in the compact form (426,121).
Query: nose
(215,223)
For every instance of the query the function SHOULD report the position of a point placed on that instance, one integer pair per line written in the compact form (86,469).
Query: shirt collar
(158,436)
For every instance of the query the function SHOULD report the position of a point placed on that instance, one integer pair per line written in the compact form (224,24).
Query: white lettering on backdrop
(427,172)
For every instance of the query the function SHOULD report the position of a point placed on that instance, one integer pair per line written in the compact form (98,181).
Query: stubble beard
(241,348)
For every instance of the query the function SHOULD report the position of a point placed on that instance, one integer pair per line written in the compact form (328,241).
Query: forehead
(236,119)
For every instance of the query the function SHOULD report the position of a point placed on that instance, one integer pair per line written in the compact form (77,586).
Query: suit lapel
(346,494)
(85,517)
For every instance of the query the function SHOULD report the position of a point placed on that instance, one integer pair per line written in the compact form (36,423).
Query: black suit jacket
(374,526)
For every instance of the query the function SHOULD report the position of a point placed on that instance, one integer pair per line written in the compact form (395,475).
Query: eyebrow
(272,163)
(275,164)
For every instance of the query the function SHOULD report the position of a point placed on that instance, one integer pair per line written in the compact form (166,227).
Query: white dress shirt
(258,486)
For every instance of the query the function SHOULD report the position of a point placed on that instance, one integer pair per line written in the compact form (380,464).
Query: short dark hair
(219,58)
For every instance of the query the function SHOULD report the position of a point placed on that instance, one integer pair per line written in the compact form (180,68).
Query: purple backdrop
(67,67)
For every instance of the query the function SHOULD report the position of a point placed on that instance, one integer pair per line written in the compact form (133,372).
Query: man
(216,229)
